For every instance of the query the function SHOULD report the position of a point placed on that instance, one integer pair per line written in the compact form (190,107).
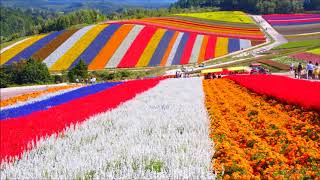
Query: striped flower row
(292,19)
(123,46)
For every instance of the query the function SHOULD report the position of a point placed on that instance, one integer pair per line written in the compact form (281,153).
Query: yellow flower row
(10,53)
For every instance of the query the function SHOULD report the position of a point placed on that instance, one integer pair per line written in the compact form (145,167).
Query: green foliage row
(24,72)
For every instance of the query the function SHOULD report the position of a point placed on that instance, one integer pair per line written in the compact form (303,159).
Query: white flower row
(162,133)
(40,98)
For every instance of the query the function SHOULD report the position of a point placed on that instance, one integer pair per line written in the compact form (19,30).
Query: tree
(79,71)
(34,72)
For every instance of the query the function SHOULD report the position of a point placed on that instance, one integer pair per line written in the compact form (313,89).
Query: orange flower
(256,137)
(28,96)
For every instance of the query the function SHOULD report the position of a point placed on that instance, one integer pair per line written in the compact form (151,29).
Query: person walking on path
(299,70)
(310,70)
(291,67)
(317,71)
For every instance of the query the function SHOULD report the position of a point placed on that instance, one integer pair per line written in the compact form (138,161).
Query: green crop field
(315,51)
(226,16)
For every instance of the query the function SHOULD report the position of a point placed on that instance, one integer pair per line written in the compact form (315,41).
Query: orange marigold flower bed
(28,96)
(258,137)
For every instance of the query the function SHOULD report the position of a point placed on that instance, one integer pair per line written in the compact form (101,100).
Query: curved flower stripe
(47,49)
(174,48)
(161,49)
(296,23)
(290,16)
(10,53)
(257,139)
(211,47)
(65,61)
(277,86)
(221,47)
(176,22)
(135,49)
(110,48)
(294,19)
(180,49)
(150,48)
(169,48)
(29,51)
(55,101)
(17,133)
(61,50)
(245,44)
(200,31)
(234,45)
(12,45)
(91,52)
(125,45)
(40,98)
(188,49)
(28,96)
(196,49)
(203,49)
(202,26)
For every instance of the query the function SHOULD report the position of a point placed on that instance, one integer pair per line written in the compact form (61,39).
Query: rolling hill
(148,42)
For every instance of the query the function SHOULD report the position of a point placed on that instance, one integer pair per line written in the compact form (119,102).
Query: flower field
(239,127)
(305,56)
(145,42)
(295,26)
(33,95)
(258,137)
(285,89)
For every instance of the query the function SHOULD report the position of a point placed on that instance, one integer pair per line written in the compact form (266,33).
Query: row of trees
(27,72)
(254,6)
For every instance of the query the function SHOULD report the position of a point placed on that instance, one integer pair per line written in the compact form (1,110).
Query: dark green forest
(17,23)
(254,6)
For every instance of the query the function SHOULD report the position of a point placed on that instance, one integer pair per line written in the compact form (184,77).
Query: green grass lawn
(299,44)
(225,16)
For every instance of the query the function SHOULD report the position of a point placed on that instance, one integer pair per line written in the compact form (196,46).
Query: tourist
(310,70)
(291,67)
(317,71)
(299,70)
